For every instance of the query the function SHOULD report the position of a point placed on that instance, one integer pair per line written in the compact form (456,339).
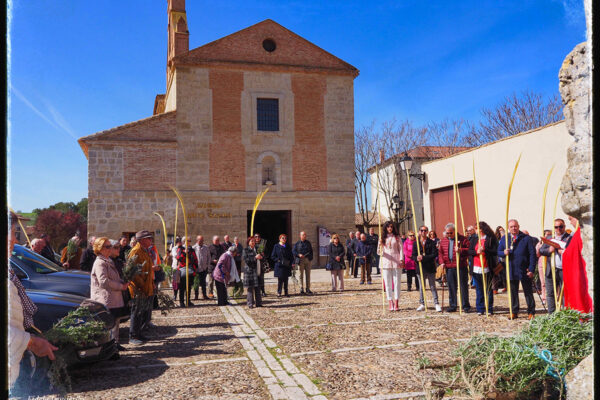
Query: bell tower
(179,36)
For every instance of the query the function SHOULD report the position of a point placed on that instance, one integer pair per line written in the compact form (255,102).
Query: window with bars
(267,114)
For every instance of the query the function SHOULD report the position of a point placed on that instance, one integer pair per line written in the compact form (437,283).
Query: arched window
(268,171)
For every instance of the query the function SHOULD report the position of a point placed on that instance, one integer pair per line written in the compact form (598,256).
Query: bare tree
(516,113)
(395,139)
(449,136)
(364,158)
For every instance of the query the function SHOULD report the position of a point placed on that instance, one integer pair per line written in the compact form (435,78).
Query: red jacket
(463,251)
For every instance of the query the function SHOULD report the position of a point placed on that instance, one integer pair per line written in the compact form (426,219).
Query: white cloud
(56,120)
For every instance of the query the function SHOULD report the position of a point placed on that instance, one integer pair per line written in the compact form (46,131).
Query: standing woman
(176,276)
(222,274)
(499,279)
(336,262)
(106,285)
(488,246)
(409,264)
(251,260)
(392,261)
(283,259)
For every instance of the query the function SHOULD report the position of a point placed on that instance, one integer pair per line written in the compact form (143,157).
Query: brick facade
(208,146)
(226,153)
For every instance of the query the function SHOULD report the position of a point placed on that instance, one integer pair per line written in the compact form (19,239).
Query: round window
(269,45)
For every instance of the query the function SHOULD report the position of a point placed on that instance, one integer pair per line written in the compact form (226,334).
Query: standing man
(216,250)
(145,283)
(238,288)
(522,259)
(447,253)
(303,255)
(88,257)
(350,251)
(373,240)
(561,239)
(355,262)
(186,249)
(37,245)
(261,245)
(364,255)
(125,248)
(226,243)
(473,238)
(425,251)
(203,256)
(47,250)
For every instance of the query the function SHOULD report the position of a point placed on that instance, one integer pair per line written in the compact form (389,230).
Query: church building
(259,108)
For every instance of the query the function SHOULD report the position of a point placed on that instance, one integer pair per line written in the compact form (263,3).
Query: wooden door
(442,208)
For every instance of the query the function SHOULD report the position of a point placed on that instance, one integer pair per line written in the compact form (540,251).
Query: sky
(79,67)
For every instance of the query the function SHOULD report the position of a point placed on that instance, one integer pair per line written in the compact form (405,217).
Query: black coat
(278,254)
(429,254)
(490,251)
(216,251)
(87,260)
(336,251)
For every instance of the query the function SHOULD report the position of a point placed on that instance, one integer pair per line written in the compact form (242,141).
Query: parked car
(53,306)
(37,272)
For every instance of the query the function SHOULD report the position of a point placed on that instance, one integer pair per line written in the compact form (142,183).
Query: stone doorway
(270,224)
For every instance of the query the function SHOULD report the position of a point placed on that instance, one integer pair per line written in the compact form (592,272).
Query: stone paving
(341,345)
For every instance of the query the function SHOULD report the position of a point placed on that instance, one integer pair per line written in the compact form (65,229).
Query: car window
(34,261)
(18,271)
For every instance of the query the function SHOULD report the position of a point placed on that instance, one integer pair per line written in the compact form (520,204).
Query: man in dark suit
(373,240)
(561,238)
(350,251)
(522,262)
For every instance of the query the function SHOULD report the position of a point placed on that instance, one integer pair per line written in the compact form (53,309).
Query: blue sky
(78,67)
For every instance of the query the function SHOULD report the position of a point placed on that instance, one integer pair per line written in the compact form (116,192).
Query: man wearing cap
(143,282)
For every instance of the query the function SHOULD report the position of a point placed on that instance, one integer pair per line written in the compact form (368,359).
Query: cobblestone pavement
(341,345)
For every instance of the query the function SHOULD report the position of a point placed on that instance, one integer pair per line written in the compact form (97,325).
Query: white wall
(494,165)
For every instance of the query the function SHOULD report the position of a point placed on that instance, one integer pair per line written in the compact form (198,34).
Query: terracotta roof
(434,151)
(148,129)
(246,47)
(423,154)
(359,221)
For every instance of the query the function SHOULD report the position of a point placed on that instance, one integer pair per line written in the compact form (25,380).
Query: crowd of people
(460,263)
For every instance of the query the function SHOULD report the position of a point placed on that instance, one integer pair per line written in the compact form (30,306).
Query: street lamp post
(397,206)
(406,163)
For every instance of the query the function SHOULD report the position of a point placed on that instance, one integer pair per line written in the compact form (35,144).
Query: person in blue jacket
(283,259)
(364,253)
(522,258)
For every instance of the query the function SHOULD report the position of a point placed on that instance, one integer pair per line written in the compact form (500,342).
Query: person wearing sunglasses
(561,239)
(409,263)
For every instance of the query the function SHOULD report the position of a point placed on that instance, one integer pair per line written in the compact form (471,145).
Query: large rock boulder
(580,380)
(576,187)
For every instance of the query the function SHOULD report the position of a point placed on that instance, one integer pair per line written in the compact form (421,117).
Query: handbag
(328,266)
(498,269)
(286,263)
(440,272)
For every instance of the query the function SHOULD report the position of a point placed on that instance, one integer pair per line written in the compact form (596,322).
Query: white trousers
(392,278)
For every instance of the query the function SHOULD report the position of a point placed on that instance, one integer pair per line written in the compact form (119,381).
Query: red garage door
(442,207)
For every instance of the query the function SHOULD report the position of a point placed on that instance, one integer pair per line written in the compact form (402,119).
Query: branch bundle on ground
(527,365)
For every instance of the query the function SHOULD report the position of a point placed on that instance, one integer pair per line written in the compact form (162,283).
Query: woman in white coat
(391,263)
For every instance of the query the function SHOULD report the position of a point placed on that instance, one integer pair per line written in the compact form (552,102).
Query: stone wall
(575,89)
